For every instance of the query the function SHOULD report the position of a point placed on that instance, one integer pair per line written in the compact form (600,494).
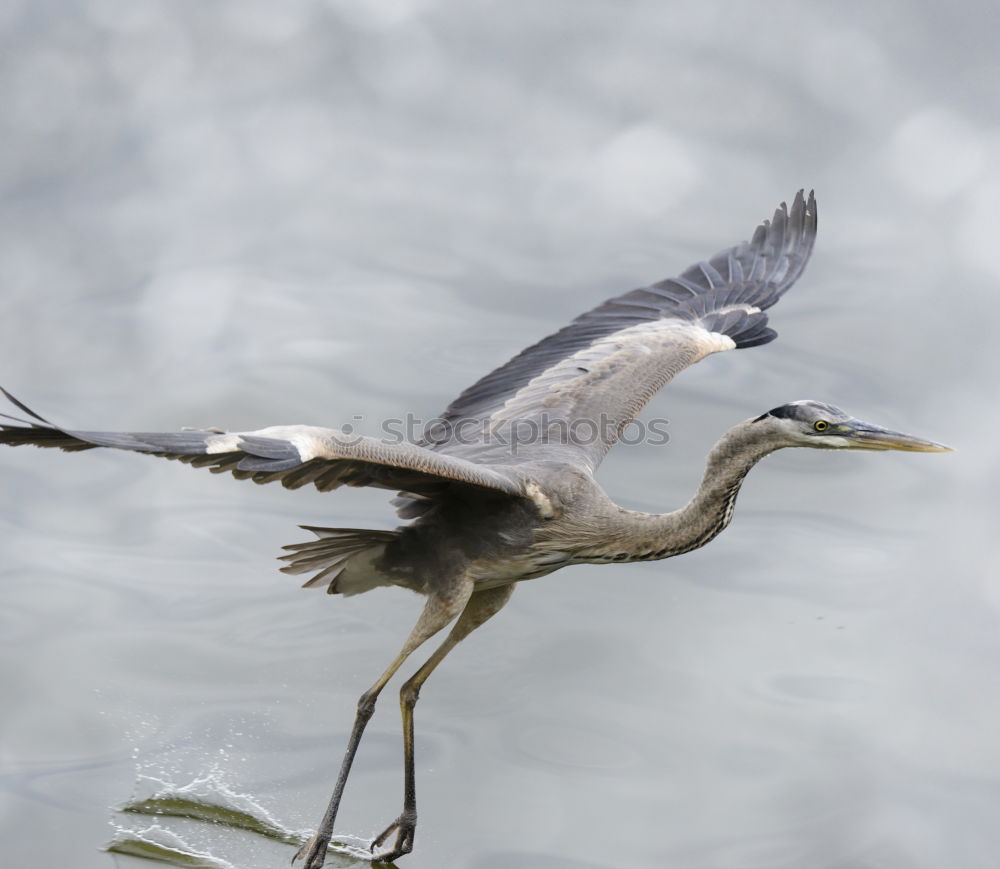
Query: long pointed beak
(873,437)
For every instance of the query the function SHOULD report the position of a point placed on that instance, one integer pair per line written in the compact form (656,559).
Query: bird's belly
(530,565)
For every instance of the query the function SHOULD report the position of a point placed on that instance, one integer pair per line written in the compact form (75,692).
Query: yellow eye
(821,425)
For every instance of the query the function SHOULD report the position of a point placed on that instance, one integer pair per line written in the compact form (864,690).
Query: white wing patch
(716,342)
(541,500)
(311,442)
(227,443)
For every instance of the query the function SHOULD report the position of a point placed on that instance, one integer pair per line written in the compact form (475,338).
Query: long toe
(312,853)
(404,827)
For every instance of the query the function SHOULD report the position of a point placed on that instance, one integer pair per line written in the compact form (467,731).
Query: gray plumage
(506,492)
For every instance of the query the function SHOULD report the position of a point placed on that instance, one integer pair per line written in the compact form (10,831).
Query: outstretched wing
(294,455)
(569,396)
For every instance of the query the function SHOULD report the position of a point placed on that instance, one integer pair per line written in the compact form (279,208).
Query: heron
(504,490)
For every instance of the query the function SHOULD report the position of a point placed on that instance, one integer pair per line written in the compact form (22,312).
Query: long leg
(482,605)
(437,612)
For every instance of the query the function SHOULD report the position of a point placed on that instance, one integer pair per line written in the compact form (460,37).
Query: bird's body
(504,489)
(578,524)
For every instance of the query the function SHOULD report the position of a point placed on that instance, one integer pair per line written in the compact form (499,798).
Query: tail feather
(343,557)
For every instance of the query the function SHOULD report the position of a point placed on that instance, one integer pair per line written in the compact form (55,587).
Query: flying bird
(505,489)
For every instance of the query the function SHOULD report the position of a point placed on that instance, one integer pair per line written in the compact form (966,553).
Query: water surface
(241,214)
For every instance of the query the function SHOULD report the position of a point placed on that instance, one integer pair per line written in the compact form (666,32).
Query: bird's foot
(313,852)
(404,827)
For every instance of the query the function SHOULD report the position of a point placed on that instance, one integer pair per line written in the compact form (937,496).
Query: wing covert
(598,372)
(294,455)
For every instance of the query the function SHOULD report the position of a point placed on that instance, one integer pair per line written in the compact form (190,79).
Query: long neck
(711,508)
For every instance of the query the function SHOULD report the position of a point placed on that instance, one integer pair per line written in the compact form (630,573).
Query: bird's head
(823,426)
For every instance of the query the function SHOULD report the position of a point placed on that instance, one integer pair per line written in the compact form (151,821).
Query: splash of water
(158,843)
(207,799)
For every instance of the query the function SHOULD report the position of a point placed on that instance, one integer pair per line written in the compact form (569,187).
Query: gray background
(248,213)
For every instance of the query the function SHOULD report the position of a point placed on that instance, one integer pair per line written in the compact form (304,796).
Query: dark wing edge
(295,456)
(714,294)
